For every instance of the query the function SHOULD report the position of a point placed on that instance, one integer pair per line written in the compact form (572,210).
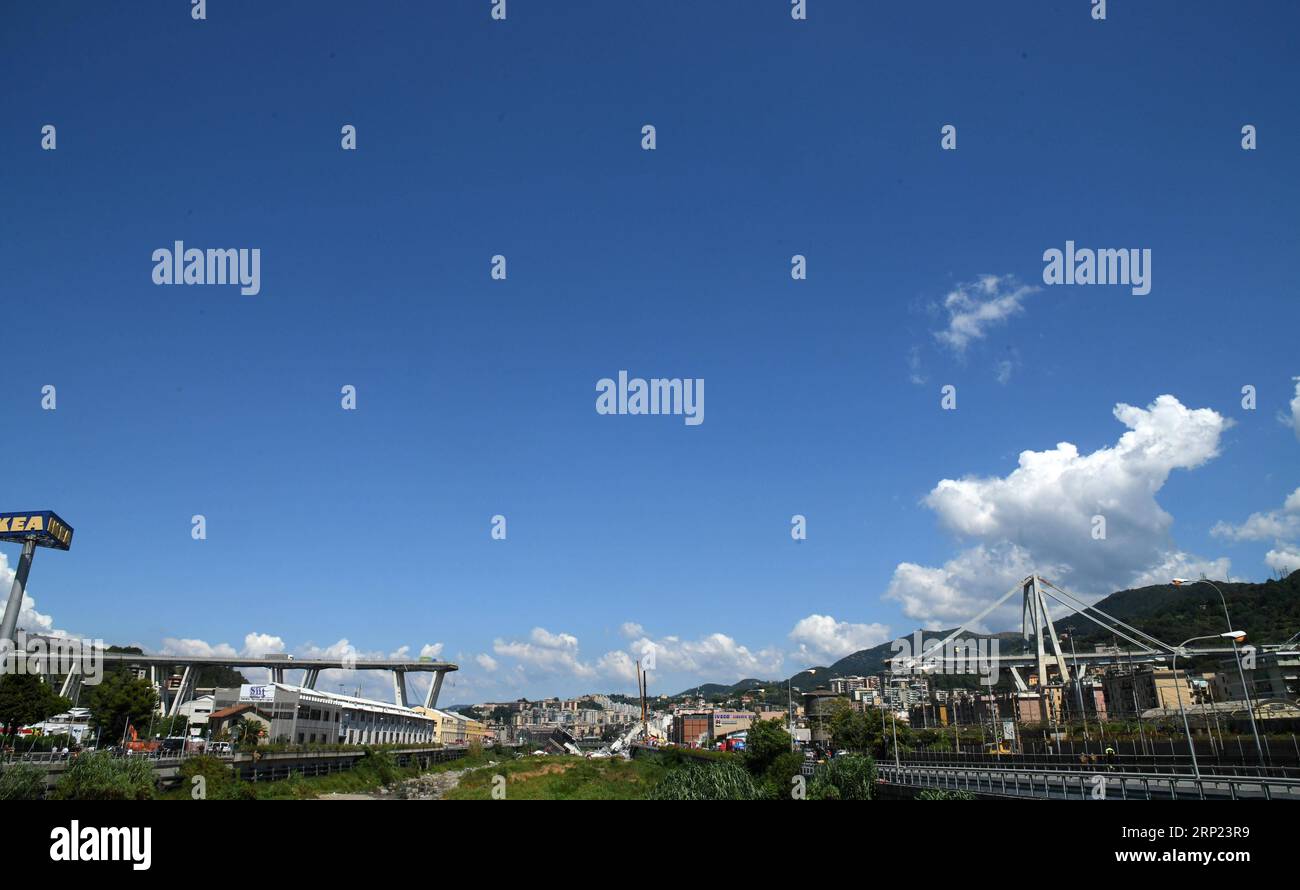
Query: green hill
(1268,612)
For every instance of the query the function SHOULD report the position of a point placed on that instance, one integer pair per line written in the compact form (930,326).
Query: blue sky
(476,397)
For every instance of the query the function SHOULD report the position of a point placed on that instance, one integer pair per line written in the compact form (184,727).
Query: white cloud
(552,653)
(632,630)
(256,644)
(1283,558)
(431,650)
(199,648)
(713,657)
(29,619)
(485,661)
(822,639)
(1292,419)
(1282,526)
(974,307)
(618,665)
(1040,516)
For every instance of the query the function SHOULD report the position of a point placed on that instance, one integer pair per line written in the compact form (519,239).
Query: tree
(850,729)
(121,699)
(765,741)
(165,727)
(27,699)
(247,731)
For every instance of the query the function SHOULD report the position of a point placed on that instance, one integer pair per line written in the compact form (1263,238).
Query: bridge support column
(431,697)
(399,689)
(186,676)
(310,677)
(71,688)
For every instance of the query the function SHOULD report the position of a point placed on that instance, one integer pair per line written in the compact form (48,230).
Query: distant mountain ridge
(1268,611)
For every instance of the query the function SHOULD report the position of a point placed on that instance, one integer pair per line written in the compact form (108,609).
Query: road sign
(42,527)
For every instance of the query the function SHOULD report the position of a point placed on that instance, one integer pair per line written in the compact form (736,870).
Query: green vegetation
(848,777)
(120,699)
(218,781)
(101,776)
(25,699)
(1269,612)
(563,778)
(22,781)
(376,769)
(721,780)
(943,794)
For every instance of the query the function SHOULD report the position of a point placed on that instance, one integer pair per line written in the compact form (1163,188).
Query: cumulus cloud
(1283,558)
(258,644)
(1282,526)
(715,656)
(1041,516)
(822,639)
(485,661)
(546,651)
(976,306)
(199,648)
(29,619)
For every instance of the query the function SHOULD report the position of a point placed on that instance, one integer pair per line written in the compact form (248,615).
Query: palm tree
(247,731)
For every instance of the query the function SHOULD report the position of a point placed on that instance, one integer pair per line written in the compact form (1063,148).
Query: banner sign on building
(257,692)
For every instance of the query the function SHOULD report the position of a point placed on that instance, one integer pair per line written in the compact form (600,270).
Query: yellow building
(454,730)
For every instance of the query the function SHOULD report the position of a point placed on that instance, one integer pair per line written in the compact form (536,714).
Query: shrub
(719,780)
(778,779)
(22,781)
(944,794)
(101,776)
(848,777)
(219,780)
(382,764)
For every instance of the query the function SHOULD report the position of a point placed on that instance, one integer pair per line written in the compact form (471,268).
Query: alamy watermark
(972,655)
(658,395)
(182,265)
(1128,266)
(53,656)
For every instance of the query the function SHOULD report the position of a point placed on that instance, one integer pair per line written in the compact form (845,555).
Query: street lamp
(1234,635)
(1245,690)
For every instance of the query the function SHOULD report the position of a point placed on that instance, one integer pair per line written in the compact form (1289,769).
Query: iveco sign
(42,527)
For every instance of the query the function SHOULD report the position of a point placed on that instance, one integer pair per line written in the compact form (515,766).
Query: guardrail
(1172,764)
(1086,785)
(258,766)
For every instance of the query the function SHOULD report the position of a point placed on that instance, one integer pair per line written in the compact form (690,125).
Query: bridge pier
(431,697)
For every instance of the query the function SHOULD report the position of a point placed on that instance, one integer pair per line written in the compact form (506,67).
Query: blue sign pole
(9,626)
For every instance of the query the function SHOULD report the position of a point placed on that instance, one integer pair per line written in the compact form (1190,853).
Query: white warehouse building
(299,715)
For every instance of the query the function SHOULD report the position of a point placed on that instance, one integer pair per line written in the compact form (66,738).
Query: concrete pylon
(181,691)
(431,697)
(1035,615)
(399,689)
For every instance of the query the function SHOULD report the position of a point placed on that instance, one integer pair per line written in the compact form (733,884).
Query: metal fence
(1011,781)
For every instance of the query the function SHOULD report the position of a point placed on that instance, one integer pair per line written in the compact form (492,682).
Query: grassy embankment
(563,778)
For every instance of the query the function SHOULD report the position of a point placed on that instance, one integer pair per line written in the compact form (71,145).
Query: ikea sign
(43,527)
